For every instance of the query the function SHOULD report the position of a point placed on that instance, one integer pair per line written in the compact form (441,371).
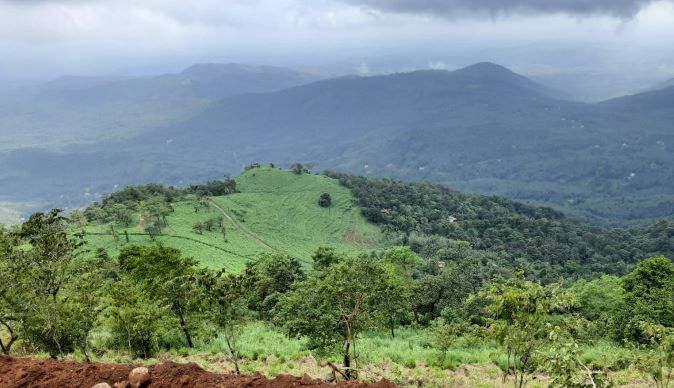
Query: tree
(225,297)
(660,360)
(120,213)
(649,297)
(153,228)
(198,228)
(601,302)
(155,210)
(169,278)
(325,200)
(298,168)
(41,266)
(83,301)
(11,308)
(271,276)
(324,257)
(334,306)
(567,369)
(520,313)
(136,320)
(405,262)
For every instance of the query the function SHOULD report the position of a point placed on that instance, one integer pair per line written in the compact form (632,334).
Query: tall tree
(520,313)
(649,297)
(170,278)
(42,265)
(334,306)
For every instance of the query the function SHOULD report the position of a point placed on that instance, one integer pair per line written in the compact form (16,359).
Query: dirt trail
(243,230)
(26,372)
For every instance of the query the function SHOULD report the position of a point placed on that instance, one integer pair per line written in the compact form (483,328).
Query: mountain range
(480,129)
(75,109)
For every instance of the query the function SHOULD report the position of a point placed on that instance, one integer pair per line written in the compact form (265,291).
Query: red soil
(26,372)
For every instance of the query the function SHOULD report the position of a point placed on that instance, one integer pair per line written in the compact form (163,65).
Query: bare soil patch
(27,372)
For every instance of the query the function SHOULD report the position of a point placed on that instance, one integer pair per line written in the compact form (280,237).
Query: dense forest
(541,241)
(471,272)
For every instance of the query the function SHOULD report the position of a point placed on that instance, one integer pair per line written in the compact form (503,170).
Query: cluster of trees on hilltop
(539,239)
(154,202)
(54,297)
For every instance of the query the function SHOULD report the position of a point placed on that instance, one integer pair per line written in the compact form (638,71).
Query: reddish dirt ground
(26,372)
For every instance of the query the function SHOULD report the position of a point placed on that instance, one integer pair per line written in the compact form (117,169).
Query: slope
(274,211)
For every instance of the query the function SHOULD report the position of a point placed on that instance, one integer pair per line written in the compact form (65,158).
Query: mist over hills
(481,129)
(76,109)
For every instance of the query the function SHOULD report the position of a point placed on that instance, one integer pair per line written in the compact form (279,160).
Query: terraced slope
(275,211)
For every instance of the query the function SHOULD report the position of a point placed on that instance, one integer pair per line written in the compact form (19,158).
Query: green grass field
(408,359)
(275,211)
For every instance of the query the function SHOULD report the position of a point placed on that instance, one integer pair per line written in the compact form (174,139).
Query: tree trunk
(347,359)
(393,333)
(234,355)
(183,326)
(6,348)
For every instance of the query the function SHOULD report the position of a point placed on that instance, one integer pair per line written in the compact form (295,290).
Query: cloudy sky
(551,40)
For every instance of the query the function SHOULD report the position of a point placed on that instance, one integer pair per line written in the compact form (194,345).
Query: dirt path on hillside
(45,373)
(243,230)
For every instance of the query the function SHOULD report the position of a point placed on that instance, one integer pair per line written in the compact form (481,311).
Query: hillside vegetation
(342,277)
(274,211)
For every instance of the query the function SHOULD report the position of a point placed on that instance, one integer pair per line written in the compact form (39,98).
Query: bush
(325,200)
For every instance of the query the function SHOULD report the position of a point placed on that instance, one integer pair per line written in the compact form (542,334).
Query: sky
(621,43)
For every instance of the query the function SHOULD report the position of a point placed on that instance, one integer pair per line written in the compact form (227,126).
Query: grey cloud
(617,8)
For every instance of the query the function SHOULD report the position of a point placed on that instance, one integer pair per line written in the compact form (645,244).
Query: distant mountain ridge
(87,109)
(481,129)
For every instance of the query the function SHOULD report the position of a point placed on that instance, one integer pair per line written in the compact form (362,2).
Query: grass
(408,360)
(275,211)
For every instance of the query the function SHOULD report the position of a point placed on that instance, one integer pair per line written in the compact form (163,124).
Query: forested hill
(544,242)
(267,209)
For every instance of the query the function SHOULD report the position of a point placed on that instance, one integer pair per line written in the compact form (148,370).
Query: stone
(139,377)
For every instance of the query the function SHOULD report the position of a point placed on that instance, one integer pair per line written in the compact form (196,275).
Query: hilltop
(273,211)
(277,211)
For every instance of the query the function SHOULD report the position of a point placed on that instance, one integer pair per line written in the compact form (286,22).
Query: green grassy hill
(275,211)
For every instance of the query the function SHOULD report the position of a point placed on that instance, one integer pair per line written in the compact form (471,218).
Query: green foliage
(660,360)
(539,240)
(324,257)
(40,259)
(299,169)
(566,368)
(281,216)
(325,200)
(271,276)
(649,297)
(445,288)
(136,321)
(600,302)
(120,213)
(520,315)
(170,279)
(334,306)
(225,297)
